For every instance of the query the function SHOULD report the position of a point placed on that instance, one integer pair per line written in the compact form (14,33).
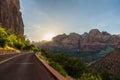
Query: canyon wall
(89,46)
(10,16)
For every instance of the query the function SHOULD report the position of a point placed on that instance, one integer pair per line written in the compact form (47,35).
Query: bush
(89,77)
(106,75)
(58,67)
(3,37)
(12,40)
(3,42)
(72,66)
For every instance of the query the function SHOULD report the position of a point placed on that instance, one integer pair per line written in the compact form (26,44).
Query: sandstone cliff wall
(91,42)
(88,46)
(10,16)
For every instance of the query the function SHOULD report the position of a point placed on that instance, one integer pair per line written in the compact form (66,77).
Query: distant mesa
(10,16)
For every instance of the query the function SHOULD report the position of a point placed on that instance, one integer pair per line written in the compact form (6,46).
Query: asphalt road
(24,67)
(3,57)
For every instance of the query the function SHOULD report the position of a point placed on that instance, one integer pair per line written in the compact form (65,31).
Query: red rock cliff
(10,16)
(110,63)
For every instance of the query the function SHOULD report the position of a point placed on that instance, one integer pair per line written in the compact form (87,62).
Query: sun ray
(48,37)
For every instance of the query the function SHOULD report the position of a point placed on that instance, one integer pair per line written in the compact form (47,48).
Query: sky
(43,17)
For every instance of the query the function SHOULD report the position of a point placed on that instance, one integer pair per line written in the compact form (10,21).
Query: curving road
(24,67)
(3,57)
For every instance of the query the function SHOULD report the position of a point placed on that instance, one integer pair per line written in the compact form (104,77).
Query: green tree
(58,67)
(106,75)
(89,77)
(12,40)
(3,37)
(73,66)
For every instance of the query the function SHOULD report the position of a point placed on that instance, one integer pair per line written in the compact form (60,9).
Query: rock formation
(89,45)
(10,16)
(110,63)
(93,41)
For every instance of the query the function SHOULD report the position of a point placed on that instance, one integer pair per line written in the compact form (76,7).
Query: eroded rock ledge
(10,16)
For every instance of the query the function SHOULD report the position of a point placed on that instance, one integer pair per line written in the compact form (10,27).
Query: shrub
(72,66)
(58,67)
(106,75)
(12,40)
(3,37)
(89,77)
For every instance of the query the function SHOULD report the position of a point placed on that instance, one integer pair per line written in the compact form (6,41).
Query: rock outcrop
(87,45)
(110,63)
(88,42)
(10,16)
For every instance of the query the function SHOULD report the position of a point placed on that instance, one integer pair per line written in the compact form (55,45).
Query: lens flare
(48,37)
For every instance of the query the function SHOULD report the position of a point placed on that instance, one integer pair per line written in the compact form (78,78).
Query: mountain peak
(90,43)
(94,32)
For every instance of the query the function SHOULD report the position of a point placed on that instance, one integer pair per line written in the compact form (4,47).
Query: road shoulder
(50,69)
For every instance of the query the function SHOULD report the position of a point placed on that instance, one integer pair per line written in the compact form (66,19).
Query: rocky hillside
(88,44)
(10,16)
(110,63)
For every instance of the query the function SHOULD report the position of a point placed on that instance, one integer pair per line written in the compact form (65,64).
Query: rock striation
(10,16)
(93,41)
(110,63)
(88,45)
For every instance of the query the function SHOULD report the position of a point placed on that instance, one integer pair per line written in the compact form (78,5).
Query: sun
(48,37)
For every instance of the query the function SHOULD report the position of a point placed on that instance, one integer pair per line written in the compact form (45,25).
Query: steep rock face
(63,43)
(110,63)
(88,42)
(95,40)
(89,45)
(10,16)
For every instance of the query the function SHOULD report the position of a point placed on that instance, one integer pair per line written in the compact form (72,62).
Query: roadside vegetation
(63,63)
(69,66)
(8,39)
(73,67)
